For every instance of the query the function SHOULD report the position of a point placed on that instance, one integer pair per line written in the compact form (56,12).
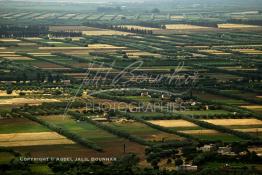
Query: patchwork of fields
(106,85)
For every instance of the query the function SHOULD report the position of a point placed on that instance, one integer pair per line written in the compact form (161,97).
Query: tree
(9,91)
(56,92)
(238,147)
(57,78)
(38,77)
(178,162)
(50,78)
(24,77)
(130,160)
(169,161)
(125,56)
(154,163)
(22,93)
(163,27)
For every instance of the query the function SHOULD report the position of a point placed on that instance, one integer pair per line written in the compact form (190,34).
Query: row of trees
(7,31)
(132,30)
(230,95)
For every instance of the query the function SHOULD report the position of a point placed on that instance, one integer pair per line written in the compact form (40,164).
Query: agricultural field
(233,26)
(184,27)
(25,135)
(138,27)
(96,135)
(130,88)
(104,33)
(192,129)
(143,131)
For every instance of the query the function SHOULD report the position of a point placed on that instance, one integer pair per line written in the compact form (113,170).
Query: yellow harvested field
(3,94)
(17,58)
(258,150)
(198,55)
(41,54)
(172,123)
(139,37)
(13,56)
(184,27)
(215,52)
(7,52)
(76,38)
(252,107)
(80,52)
(105,32)
(2,48)
(201,131)
(250,130)
(91,47)
(230,122)
(61,48)
(54,42)
(33,139)
(140,53)
(209,131)
(163,37)
(139,27)
(23,101)
(33,38)
(237,46)
(196,46)
(26,44)
(9,40)
(104,46)
(224,122)
(235,26)
(248,51)
(176,17)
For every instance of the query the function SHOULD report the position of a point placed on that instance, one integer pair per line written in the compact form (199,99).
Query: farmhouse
(225,151)
(66,82)
(207,148)
(165,97)
(145,94)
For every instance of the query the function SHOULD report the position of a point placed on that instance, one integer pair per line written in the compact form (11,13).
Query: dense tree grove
(23,31)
